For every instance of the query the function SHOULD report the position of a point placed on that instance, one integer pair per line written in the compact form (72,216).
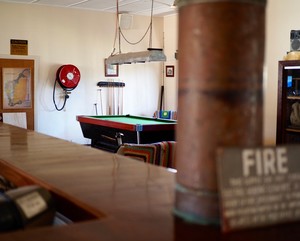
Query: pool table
(109,132)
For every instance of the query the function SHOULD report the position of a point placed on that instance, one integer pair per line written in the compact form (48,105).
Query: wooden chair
(159,153)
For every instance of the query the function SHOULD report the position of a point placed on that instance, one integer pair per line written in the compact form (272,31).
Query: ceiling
(139,7)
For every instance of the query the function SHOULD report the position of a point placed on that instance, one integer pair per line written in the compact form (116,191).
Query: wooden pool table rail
(161,124)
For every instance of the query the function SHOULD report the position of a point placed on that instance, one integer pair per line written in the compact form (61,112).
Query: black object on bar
(110,84)
(26,207)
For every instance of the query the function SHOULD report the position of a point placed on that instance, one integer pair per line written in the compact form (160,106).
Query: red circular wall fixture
(68,76)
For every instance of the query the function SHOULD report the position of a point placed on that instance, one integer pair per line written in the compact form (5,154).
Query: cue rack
(111,96)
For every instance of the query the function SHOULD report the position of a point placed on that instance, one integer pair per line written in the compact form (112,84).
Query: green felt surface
(135,120)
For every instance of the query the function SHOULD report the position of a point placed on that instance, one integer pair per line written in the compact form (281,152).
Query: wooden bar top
(121,198)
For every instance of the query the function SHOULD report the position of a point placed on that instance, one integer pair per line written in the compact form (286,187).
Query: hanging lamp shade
(152,54)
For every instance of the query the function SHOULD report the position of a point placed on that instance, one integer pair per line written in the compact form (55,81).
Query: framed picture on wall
(170,70)
(16,88)
(111,70)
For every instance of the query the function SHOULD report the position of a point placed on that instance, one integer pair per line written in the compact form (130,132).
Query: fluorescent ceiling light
(137,57)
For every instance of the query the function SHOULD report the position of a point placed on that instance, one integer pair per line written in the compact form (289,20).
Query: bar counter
(109,197)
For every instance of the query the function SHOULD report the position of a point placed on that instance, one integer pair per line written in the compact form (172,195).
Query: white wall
(170,47)
(282,17)
(60,36)
(84,38)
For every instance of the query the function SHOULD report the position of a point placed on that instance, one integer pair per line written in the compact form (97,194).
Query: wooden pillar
(220,99)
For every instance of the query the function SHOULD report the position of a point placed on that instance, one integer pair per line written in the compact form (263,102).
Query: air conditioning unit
(125,21)
(295,40)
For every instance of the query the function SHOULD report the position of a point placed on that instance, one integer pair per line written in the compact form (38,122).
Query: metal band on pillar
(220,95)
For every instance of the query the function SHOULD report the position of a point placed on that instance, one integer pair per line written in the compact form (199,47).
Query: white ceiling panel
(139,7)
(18,1)
(97,4)
(62,3)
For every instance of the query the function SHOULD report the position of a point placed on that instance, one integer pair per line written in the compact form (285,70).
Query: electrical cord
(65,100)
(119,33)
(134,43)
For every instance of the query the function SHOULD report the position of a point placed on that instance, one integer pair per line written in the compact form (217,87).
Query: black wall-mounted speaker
(295,40)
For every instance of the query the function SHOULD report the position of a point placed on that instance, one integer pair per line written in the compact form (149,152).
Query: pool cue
(122,101)
(161,98)
(112,100)
(119,99)
(96,108)
(113,97)
(101,102)
(109,100)
(107,104)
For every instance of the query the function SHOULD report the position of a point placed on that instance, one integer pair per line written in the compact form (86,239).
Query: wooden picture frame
(170,69)
(111,70)
(17,88)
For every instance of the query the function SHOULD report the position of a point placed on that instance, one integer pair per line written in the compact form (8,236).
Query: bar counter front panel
(124,199)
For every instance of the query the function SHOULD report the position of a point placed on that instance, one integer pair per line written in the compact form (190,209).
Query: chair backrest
(159,153)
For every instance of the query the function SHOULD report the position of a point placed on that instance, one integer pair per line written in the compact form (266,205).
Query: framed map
(16,88)
(17,77)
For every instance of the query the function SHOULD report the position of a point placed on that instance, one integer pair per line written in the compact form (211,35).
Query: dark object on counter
(5,185)
(26,207)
